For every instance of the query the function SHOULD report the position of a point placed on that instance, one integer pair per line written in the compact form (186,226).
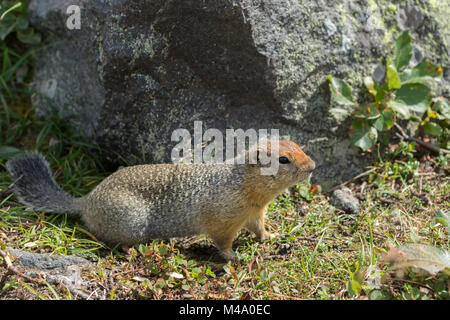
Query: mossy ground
(320,252)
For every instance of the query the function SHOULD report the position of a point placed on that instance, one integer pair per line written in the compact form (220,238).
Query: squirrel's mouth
(304,175)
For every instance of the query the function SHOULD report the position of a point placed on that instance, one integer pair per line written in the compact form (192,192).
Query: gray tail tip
(34,186)
(29,169)
(25,160)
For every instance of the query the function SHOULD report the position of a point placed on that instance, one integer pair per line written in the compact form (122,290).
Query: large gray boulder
(137,70)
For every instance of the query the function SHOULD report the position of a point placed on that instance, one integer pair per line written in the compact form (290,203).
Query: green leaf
(29,37)
(415,119)
(7,152)
(389,118)
(370,85)
(303,191)
(411,98)
(382,92)
(443,219)
(425,73)
(433,128)
(372,112)
(340,92)
(22,22)
(353,287)
(442,108)
(379,124)
(385,122)
(364,135)
(416,96)
(403,51)
(400,108)
(5,31)
(392,75)
(430,259)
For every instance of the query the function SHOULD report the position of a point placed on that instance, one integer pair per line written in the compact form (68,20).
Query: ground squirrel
(160,201)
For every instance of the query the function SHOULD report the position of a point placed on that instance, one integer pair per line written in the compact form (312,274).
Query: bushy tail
(35,187)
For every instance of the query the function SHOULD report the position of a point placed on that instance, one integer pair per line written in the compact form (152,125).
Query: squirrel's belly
(129,227)
(169,229)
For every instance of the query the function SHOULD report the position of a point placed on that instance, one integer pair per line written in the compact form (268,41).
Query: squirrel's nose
(310,165)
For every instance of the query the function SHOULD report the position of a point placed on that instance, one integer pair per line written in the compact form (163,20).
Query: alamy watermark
(237,147)
(73,22)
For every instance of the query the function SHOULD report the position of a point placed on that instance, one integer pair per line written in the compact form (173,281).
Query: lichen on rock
(136,71)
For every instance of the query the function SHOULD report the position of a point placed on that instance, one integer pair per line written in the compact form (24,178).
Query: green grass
(320,253)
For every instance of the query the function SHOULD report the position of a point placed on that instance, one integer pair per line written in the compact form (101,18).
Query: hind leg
(223,238)
(224,244)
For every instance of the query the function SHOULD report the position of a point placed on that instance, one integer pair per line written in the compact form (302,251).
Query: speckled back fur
(139,203)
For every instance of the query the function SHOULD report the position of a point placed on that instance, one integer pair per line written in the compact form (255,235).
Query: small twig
(125,272)
(353,179)
(48,278)
(424,144)
(314,236)
(363,187)
(7,257)
(308,239)
(423,174)
(72,289)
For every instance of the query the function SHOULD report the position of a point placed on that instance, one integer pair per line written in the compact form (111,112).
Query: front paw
(267,236)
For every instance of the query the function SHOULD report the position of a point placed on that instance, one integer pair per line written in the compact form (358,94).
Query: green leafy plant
(17,42)
(405,93)
(13,19)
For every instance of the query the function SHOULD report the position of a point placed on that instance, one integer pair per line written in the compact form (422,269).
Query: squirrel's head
(284,164)
(292,160)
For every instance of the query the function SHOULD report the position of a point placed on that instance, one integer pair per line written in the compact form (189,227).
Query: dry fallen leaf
(419,256)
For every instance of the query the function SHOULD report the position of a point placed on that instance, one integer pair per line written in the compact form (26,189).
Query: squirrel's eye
(283,160)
